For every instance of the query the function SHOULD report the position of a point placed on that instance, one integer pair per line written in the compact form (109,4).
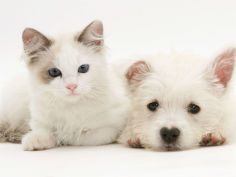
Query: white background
(131,27)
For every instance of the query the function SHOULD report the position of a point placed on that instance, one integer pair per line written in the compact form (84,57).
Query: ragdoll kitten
(73,96)
(178,102)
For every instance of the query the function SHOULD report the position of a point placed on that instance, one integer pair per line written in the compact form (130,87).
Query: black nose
(169,135)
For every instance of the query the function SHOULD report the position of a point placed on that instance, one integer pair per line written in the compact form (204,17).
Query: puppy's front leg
(129,139)
(212,139)
(134,143)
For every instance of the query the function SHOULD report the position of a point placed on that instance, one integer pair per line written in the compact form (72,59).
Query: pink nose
(72,87)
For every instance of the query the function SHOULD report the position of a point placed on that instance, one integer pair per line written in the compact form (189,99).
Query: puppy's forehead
(172,88)
(175,77)
(178,68)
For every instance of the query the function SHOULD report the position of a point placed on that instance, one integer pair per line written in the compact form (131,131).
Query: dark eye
(54,72)
(83,68)
(193,108)
(153,106)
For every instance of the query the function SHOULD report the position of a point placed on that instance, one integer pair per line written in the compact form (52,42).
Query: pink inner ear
(34,41)
(137,69)
(98,27)
(224,67)
(27,36)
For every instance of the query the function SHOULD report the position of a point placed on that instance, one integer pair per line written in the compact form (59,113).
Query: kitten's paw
(36,141)
(134,143)
(212,139)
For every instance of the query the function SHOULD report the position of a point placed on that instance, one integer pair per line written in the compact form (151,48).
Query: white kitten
(178,102)
(73,97)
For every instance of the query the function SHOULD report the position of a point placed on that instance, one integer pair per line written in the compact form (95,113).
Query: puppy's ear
(137,72)
(220,72)
(34,41)
(92,35)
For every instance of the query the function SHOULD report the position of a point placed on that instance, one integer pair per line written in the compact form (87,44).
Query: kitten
(180,102)
(73,97)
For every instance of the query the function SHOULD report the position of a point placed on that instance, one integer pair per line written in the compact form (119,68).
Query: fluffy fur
(175,81)
(93,114)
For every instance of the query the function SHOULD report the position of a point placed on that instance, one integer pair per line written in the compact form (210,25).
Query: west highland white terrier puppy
(73,97)
(179,102)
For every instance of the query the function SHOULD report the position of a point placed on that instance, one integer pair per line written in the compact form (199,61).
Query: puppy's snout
(169,135)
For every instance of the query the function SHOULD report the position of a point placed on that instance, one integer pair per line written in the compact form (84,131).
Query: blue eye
(83,68)
(54,72)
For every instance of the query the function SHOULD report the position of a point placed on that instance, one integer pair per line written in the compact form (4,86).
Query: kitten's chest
(70,124)
(67,133)
(69,121)
(73,118)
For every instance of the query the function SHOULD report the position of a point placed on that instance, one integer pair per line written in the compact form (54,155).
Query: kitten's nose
(72,87)
(169,135)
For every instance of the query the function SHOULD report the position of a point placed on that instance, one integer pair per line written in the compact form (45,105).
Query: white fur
(95,116)
(176,80)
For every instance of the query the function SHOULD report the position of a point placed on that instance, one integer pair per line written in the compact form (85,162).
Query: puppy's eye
(193,108)
(54,72)
(83,68)
(153,106)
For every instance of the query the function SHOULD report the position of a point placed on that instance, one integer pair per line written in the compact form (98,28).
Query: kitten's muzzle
(72,87)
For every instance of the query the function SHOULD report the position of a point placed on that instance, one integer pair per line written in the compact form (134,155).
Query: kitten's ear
(137,72)
(34,41)
(92,35)
(220,72)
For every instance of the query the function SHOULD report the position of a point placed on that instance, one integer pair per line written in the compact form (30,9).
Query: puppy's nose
(71,87)
(169,135)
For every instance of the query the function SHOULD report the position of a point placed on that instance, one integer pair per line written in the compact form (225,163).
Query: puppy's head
(177,99)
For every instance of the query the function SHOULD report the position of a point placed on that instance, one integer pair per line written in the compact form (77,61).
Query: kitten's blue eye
(83,68)
(54,72)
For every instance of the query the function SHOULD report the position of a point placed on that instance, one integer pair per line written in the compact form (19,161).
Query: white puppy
(73,98)
(179,101)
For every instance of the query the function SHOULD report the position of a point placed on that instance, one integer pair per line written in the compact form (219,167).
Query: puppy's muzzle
(169,135)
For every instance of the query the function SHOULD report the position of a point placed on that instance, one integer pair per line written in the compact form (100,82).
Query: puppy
(179,102)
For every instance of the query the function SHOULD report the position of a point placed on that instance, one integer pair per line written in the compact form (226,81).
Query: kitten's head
(176,99)
(68,67)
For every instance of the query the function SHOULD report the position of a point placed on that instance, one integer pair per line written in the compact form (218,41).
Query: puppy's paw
(212,139)
(134,143)
(36,141)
